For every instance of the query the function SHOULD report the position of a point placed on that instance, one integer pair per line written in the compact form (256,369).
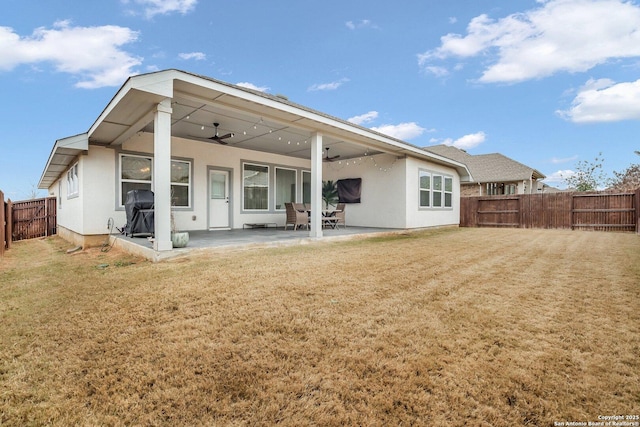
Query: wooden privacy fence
(34,218)
(575,211)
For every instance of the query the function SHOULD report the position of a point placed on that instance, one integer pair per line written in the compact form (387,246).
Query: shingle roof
(488,167)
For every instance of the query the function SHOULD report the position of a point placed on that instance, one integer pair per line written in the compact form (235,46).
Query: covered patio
(203,240)
(218,156)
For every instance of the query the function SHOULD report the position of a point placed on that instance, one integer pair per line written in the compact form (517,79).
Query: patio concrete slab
(202,240)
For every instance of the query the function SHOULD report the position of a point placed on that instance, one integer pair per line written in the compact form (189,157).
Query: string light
(363,162)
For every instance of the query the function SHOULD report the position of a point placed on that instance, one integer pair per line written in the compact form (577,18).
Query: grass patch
(476,326)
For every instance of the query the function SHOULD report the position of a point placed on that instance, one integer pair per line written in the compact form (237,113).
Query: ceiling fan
(327,158)
(220,139)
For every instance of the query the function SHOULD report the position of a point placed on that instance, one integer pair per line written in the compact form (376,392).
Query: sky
(548,83)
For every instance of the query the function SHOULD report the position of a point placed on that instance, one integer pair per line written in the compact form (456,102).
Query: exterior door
(219,207)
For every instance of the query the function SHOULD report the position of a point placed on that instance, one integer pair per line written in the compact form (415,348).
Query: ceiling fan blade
(218,139)
(229,135)
(329,159)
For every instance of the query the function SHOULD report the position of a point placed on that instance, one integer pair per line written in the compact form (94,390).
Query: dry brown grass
(449,327)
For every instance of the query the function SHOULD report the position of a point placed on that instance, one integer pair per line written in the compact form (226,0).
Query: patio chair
(340,215)
(296,215)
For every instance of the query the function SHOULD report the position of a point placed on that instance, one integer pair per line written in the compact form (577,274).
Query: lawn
(448,327)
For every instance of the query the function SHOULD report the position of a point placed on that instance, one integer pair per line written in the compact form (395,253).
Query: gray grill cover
(139,209)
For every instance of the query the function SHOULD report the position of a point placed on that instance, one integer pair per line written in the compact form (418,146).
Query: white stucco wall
(428,217)
(383,199)
(390,192)
(70,209)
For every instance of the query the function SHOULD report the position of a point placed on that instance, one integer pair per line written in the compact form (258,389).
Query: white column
(162,176)
(316,185)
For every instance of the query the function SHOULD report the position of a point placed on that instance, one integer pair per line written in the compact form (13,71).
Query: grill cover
(139,209)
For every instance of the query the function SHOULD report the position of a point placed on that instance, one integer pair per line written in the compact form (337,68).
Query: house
(219,156)
(493,174)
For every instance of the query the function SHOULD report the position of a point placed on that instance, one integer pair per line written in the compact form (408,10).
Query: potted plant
(329,193)
(179,239)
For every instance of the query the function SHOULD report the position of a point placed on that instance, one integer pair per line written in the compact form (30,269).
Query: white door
(218,199)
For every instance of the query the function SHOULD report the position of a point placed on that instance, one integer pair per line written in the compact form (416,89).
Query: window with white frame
(73,184)
(180,183)
(436,190)
(255,187)
(425,189)
(136,173)
(285,187)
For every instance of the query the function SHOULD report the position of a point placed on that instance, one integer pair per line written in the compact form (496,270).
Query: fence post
(3,227)
(636,205)
(9,227)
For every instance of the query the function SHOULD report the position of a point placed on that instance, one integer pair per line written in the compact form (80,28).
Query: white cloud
(403,131)
(254,87)
(468,141)
(560,35)
(437,71)
(558,178)
(92,54)
(198,56)
(364,23)
(556,160)
(163,7)
(604,101)
(364,118)
(327,86)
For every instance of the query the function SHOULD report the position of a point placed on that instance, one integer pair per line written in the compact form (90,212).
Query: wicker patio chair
(340,215)
(296,215)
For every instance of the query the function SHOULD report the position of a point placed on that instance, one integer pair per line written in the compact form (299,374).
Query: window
(425,189)
(136,173)
(255,186)
(448,192)
(436,191)
(285,187)
(306,187)
(180,178)
(73,184)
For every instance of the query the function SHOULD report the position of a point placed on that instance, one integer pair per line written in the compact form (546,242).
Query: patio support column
(162,176)
(315,229)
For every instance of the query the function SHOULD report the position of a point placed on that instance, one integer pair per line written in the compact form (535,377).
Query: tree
(588,175)
(627,180)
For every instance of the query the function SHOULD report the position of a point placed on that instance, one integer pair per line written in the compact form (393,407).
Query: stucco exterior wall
(383,200)
(429,217)
(70,208)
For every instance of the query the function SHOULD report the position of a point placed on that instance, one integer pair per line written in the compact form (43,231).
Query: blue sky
(547,82)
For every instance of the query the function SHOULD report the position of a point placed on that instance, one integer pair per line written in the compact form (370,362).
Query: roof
(64,151)
(258,120)
(493,167)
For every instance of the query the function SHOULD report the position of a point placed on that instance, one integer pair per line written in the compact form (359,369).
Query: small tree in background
(627,180)
(588,175)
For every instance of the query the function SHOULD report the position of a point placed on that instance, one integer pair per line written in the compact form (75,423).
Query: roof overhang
(259,121)
(64,152)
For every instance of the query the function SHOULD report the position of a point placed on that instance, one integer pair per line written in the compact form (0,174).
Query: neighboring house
(493,174)
(158,133)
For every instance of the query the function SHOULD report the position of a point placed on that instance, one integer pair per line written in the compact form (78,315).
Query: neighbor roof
(493,167)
